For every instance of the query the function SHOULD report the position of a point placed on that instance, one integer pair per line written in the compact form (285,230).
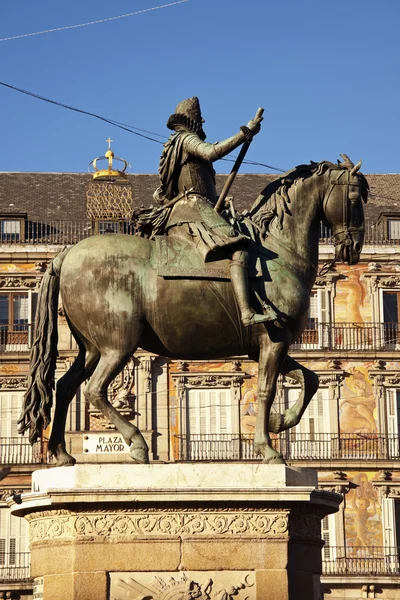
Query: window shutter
(193,409)
(226,411)
(23,535)
(394,229)
(392,411)
(204,417)
(210,411)
(20,309)
(323,306)
(214,411)
(313,311)
(10,408)
(2,536)
(328,534)
(5,414)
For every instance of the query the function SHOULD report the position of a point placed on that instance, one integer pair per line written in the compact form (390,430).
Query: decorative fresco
(352,302)
(357,405)
(363,524)
(21,267)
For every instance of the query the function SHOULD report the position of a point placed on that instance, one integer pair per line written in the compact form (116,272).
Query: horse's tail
(38,399)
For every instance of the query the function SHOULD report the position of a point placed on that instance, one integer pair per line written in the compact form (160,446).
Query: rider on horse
(186,169)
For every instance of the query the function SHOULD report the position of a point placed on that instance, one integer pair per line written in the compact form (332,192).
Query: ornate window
(385,296)
(14,448)
(14,320)
(387,394)
(392,406)
(312,437)
(14,554)
(209,406)
(328,534)
(316,437)
(320,315)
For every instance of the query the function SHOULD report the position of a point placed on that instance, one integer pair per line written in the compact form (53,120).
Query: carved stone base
(176,532)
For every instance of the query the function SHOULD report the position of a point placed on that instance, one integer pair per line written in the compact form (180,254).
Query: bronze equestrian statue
(161,295)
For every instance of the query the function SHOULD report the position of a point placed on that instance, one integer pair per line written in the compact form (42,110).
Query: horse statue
(116,299)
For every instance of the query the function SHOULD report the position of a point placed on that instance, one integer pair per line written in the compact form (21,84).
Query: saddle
(177,258)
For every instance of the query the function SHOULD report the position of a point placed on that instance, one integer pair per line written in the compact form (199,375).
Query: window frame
(12,334)
(13,217)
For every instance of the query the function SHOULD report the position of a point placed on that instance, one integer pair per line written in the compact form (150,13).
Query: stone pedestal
(176,532)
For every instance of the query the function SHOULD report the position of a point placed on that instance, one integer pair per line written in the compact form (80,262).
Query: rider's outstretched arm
(195,146)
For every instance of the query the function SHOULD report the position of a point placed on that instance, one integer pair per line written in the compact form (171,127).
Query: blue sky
(326,73)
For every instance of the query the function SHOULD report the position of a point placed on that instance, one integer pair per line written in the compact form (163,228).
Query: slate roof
(62,196)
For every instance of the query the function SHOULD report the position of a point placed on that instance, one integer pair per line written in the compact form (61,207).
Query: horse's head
(342,208)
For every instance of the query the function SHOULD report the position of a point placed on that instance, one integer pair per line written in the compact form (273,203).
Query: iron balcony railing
(63,232)
(323,336)
(350,336)
(70,232)
(292,445)
(356,560)
(16,338)
(14,566)
(18,451)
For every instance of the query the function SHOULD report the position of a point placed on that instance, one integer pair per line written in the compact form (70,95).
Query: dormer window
(12,227)
(393,229)
(388,226)
(10,230)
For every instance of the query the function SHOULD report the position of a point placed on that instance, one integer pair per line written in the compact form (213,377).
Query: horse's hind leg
(110,364)
(309,386)
(65,391)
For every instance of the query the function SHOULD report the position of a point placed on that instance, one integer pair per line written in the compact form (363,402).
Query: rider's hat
(188,114)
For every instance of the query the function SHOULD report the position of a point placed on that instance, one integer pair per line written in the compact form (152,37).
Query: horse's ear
(356,168)
(346,162)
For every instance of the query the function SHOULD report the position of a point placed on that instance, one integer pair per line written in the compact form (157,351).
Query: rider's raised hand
(255,125)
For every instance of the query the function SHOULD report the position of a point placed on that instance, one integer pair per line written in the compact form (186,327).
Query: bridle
(343,237)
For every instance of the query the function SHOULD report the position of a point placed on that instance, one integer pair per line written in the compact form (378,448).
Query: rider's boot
(240,284)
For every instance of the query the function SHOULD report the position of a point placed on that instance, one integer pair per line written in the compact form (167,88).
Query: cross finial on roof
(109,143)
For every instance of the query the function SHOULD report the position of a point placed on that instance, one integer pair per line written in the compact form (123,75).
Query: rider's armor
(186,164)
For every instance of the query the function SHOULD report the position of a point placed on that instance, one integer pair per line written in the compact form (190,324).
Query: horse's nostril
(357,247)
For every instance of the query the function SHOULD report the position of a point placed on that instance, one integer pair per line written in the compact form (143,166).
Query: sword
(228,183)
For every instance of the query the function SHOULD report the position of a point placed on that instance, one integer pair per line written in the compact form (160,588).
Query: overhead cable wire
(107,19)
(128,128)
(124,126)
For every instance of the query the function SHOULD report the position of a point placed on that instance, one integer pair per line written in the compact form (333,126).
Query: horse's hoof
(66,460)
(139,454)
(276,422)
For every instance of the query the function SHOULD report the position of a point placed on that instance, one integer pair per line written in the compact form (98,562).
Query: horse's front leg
(309,386)
(273,351)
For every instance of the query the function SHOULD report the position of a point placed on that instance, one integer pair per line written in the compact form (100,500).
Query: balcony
(16,338)
(63,232)
(14,566)
(352,560)
(18,451)
(292,445)
(350,336)
(71,232)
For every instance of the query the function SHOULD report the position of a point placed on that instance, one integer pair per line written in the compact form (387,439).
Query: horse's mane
(274,200)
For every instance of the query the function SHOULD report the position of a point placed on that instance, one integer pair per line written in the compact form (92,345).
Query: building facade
(206,410)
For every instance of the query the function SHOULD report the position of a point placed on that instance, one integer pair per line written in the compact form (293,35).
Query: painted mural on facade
(363,523)
(357,404)
(352,302)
